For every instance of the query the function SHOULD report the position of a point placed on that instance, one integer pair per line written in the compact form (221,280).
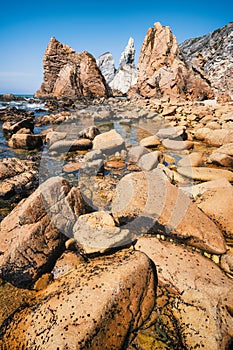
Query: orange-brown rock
(163,71)
(70,74)
(97,306)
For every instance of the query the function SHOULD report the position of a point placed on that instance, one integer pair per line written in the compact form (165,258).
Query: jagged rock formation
(70,74)
(106,64)
(214,53)
(125,76)
(163,71)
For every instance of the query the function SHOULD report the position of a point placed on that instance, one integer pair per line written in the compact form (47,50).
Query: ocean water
(28,102)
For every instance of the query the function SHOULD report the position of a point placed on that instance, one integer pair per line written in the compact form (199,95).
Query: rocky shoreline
(147,235)
(116,212)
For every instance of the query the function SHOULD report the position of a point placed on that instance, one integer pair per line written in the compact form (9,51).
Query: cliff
(214,54)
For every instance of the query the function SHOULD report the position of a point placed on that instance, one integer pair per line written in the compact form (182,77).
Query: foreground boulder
(32,236)
(194,298)
(95,306)
(163,72)
(70,74)
(147,202)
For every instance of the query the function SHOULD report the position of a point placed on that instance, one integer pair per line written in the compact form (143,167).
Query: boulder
(151,160)
(194,159)
(33,234)
(205,174)
(177,145)
(223,155)
(136,152)
(12,127)
(163,72)
(109,142)
(97,233)
(95,306)
(147,202)
(219,137)
(25,141)
(197,190)
(194,297)
(150,141)
(17,179)
(201,134)
(217,204)
(67,145)
(89,133)
(176,132)
(54,136)
(70,74)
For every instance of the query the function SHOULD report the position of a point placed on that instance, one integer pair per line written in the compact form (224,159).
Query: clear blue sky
(96,26)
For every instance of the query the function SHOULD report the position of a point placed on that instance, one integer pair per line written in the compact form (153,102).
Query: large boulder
(109,142)
(32,236)
(194,297)
(163,71)
(10,128)
(70,74)
(147,202)
(217,204)
(97,306)
(25,141)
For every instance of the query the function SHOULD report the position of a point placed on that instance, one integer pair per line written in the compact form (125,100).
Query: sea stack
(163,71)
(70,74)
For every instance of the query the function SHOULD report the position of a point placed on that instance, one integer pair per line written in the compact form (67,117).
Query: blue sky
(96,26)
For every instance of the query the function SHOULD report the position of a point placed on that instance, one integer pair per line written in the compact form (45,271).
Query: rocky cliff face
(125,76)
(213,53)
(70,74)
(106,64)
(164,72)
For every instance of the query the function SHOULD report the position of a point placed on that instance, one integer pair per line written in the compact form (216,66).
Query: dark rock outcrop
(70,74)
(213,53)
(163,71)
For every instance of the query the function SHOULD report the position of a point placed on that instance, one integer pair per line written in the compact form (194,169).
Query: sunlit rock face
(163,70)
(70,74)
